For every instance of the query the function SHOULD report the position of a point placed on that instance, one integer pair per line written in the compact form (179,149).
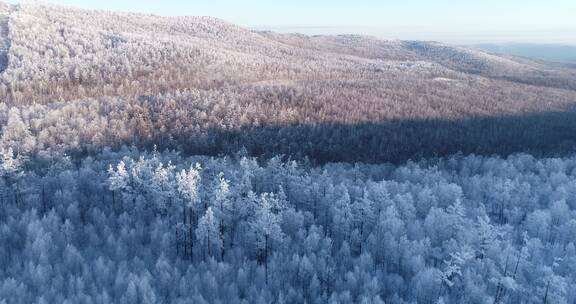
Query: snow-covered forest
(148,159)
(85,80)
(138,227)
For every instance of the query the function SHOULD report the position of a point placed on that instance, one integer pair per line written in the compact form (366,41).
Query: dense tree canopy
(296,169)
(137,227)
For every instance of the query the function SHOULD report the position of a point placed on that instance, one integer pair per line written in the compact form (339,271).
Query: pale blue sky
(457,21)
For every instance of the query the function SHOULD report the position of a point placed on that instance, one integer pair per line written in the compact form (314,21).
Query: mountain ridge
(230,44)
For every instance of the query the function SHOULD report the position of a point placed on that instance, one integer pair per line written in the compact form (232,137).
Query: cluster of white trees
(137,227)
(277,120)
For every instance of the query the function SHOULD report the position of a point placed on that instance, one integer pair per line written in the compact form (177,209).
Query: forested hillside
(82,80)
(148,159)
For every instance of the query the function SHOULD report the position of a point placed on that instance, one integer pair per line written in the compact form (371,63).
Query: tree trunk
(191,234)
(266,259)
(177,242)
(208,245)
(546,293)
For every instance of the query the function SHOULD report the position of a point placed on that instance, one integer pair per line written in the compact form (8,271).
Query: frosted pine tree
(16,134)
(188,184)
(118,180)
(208,234)
(266,228)
(224,208)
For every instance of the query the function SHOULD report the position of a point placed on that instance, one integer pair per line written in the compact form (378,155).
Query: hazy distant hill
(207,86)
(549,52)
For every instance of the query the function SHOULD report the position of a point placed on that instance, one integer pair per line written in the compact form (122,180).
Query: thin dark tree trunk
(184,236)
(191,234)
(546,293)
(266,259)
(177,242)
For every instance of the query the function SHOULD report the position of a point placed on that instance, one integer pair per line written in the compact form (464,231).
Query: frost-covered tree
(188,185)
(266,227)
(11,170)
(16,134)
(208,234)
(224,209)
